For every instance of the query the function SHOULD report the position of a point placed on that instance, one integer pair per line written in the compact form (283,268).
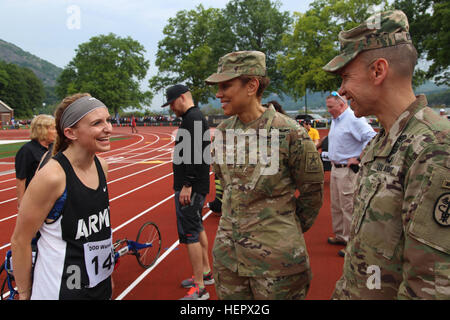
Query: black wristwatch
(187,184)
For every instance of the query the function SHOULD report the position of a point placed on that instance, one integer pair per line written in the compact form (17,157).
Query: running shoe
(207,280)
(195,293)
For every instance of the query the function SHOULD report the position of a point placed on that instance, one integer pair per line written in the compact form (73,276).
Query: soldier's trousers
(230,286)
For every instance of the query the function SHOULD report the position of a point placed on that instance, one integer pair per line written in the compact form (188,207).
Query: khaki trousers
(342,187)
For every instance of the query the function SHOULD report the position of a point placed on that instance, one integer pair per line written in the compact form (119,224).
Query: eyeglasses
(336,94)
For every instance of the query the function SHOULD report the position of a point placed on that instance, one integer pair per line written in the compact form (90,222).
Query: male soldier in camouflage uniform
(261,157)
(399,245)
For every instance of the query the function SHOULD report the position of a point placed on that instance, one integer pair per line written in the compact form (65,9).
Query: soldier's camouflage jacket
(260,233)
(399,245)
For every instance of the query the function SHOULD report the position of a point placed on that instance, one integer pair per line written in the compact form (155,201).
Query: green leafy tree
(430,31)
(196,39)
(35,90)
(110,68)
(314,42)
(21,89)
(184,54)
(255,25)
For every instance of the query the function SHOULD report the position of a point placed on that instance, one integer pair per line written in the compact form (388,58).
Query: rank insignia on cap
(442,210)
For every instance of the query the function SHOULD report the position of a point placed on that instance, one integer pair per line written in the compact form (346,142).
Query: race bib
(99,259)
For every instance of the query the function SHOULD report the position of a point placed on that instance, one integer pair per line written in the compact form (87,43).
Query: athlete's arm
(42,192)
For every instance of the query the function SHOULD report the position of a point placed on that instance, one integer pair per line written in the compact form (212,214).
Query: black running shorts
(189,218)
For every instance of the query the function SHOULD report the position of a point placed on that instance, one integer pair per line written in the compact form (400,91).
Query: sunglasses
(336,94)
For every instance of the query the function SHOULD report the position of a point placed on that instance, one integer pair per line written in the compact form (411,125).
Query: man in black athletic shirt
(191,185)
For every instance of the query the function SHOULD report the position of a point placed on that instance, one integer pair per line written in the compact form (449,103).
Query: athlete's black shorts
(189,218)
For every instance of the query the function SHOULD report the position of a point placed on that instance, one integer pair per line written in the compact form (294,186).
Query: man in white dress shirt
(347,138)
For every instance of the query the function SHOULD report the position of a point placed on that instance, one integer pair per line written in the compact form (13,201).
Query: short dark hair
(263,83)
(402,58)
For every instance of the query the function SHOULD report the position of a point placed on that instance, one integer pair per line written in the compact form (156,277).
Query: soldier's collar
(387,142)
(263,122)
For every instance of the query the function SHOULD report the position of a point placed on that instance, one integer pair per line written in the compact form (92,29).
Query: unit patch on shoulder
(312,162)
(442,210)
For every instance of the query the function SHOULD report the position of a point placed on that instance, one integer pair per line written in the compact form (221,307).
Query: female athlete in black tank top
(75,255)
(84,231)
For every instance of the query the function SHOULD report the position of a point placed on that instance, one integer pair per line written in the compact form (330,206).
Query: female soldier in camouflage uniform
(259,251)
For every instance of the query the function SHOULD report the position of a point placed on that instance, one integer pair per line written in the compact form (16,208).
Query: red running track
(140,189)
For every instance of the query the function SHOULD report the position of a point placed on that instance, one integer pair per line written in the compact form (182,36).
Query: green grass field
(10,149)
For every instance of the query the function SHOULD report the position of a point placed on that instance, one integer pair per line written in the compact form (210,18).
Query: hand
(352,161)
(185,196)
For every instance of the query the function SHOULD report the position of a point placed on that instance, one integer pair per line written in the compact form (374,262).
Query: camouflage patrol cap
(380,30)
(235,64)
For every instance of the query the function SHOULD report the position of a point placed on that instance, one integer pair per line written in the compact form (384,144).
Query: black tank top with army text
(75,254)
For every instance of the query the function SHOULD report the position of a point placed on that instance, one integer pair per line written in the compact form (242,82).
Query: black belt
(340,165)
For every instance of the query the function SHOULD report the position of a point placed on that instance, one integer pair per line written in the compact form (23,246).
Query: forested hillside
(44,70)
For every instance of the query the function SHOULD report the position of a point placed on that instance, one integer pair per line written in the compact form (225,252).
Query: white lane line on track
(6,189)
(134,143)
(7,218)
(127,149)
(5,246)
(9,200)
(142,186)
(136,162)
(160,259)
(8,180)
(142,213)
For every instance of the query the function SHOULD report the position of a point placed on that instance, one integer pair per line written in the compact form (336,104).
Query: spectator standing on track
(191,185)
(42,135)
(133,124)
(347,138)
(399,245)
(312,132)
(67,202)
(259,251)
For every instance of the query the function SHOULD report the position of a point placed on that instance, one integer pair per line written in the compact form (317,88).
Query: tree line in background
(296,45)
(21,88)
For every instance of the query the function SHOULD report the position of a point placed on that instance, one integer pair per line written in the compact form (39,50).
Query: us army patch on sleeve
(441,210)
(312,162)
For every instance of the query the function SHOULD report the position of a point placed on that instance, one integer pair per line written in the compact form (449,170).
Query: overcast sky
(50,29)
